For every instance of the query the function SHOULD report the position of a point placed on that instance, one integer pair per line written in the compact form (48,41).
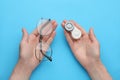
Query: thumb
(25,34)
(92,35)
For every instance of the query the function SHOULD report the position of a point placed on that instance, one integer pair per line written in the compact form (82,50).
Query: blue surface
(102,15)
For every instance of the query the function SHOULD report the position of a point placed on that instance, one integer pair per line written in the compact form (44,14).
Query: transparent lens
(43,49)
(44,27)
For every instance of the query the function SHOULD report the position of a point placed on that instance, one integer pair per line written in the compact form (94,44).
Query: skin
(86,50)
(27,60)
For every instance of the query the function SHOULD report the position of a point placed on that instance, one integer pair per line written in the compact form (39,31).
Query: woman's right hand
(87,51)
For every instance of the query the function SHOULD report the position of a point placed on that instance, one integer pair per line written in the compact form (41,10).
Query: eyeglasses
(43,51)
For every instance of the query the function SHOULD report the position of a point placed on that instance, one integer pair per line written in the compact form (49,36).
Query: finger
(25,34)
(49,41)
(35,32)
(63,23)
(54,25)
(38,37)
(79,27)
(66,33)
(69,39)
(92,35)
(75,24)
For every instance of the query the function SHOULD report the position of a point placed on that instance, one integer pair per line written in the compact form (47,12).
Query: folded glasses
(43,51)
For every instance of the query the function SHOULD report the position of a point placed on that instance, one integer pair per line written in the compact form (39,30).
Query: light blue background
(102,15)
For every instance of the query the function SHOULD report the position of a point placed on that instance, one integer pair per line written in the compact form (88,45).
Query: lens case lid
(75,32)
(69,26)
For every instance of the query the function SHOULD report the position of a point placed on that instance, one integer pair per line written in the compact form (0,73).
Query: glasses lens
(44,27)
(43,51)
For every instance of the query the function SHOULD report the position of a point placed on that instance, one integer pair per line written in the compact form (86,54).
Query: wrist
(22,71)
(93,65)
(97,71)
(30,63)
(24,65)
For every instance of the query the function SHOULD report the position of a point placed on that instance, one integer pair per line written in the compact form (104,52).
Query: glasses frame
(40,41)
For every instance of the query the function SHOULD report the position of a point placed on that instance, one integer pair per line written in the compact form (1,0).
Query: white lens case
(75,33)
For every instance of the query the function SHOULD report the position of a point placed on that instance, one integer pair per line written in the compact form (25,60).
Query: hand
(27,61)
(87,51)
